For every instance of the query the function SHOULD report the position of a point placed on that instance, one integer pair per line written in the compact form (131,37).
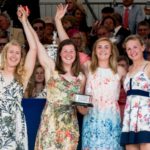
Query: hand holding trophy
(82,100)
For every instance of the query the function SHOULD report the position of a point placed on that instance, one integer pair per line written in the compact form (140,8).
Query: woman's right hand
(60,11)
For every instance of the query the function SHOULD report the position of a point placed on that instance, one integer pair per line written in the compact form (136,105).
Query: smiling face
(13,56)
(134,49)
(103,50)
(68,54)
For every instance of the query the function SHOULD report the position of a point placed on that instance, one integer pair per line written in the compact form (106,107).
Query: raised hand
(60,11)
(22,13)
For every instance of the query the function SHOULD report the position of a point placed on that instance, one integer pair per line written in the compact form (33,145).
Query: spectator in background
(106,11)
(3,39)
(124,62)
(39,26)
(110,23)
(147,11)
(134,14)
(143,30)
(71,6)
(36,84)
(68,22)
(80,40)
(101,31)
(81,22)
(49,28)
(12,32)
(120,33)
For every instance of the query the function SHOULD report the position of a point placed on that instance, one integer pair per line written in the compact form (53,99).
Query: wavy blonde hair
(19,71)
(112,59)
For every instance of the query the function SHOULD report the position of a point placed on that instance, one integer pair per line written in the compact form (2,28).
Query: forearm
(61,31)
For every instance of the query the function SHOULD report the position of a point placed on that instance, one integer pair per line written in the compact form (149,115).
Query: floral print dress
(136,123)
(13,133)
(102,124)
(59,126)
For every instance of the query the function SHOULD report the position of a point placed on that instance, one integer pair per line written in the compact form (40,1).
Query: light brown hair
(112,59)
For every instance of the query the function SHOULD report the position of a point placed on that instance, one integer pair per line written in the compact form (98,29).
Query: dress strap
(145,66)
(130,83)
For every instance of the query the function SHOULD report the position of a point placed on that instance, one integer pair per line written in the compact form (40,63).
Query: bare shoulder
(86,67)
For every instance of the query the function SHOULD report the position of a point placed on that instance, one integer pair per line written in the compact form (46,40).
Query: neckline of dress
(136,74)
(101,68)
(4,80)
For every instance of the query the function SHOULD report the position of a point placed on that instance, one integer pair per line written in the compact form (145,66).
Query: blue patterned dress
(102,124)
(13,133)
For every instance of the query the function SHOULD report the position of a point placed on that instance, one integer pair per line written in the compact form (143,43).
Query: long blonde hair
(112,59)
(19,71)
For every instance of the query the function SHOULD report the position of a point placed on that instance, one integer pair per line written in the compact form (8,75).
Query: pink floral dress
(59,126)
(136,123)
(102,124)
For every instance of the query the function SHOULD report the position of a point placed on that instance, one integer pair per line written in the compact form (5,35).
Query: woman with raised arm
(59,126)
(61,10)
(14,76)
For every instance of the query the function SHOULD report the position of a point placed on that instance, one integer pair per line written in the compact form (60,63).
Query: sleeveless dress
(136,123)
(13,132)
(102,124)
(59,126)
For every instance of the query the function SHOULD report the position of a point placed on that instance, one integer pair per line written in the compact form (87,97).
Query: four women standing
(59,126)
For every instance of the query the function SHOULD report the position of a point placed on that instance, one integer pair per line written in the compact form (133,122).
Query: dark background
(10,6)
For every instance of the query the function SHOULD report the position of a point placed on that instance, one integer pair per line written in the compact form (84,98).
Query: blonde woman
(136,122)
(14,75)
(102,124)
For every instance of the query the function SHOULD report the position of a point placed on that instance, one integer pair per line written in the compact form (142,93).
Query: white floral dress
(136,123)
(102,124)
(13,133)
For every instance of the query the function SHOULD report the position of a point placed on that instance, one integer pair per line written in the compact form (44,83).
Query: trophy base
(82,104)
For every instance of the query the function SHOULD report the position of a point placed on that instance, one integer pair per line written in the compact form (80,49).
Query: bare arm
(60,12)
(148,70)
(31,55)
(46,62)
(122,72)
(83,110)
